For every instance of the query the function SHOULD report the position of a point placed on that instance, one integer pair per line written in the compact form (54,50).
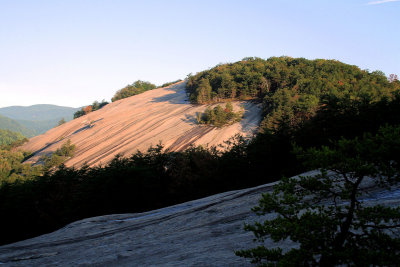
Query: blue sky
(71,53)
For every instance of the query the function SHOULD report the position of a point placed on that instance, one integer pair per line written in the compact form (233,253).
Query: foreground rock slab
(204,232)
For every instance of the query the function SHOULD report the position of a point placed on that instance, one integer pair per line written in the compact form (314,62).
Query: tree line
(87,109)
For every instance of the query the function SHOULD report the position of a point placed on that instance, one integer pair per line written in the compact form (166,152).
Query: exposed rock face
(204,232)
(122,127)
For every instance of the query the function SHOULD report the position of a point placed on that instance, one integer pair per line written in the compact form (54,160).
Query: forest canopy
(8,137)
(291,89)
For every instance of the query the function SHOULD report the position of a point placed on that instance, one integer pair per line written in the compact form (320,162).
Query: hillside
(39,127)
(122,127)
(34,120)
(41,112)
(203,232)
(13,125)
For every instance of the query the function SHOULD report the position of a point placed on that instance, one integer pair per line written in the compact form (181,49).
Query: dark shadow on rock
(90,125)
(189,138)
(47,145)
(178,95)
(190,119)
(248,115)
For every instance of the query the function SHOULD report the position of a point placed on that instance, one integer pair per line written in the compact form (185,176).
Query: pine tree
(327,215)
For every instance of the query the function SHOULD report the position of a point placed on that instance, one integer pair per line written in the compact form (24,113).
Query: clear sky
(73,52)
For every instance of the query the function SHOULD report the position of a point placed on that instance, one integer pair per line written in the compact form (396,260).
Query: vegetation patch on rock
(135,88)
(219,116)
(59,156)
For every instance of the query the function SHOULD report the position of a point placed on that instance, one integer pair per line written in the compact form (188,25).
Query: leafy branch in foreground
(331,217)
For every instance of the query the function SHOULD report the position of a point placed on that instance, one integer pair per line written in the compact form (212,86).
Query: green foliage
(66,150)
(98,105)
(13,125)
(326,214)
(79,113)
(11,167)
(292,89)
(135,88)
(203,92)
(59,156)
(7,137)
(93,107)
(219,116)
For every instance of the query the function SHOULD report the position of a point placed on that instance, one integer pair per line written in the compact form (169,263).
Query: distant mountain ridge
(34,120)
(12,125)
(40,112)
